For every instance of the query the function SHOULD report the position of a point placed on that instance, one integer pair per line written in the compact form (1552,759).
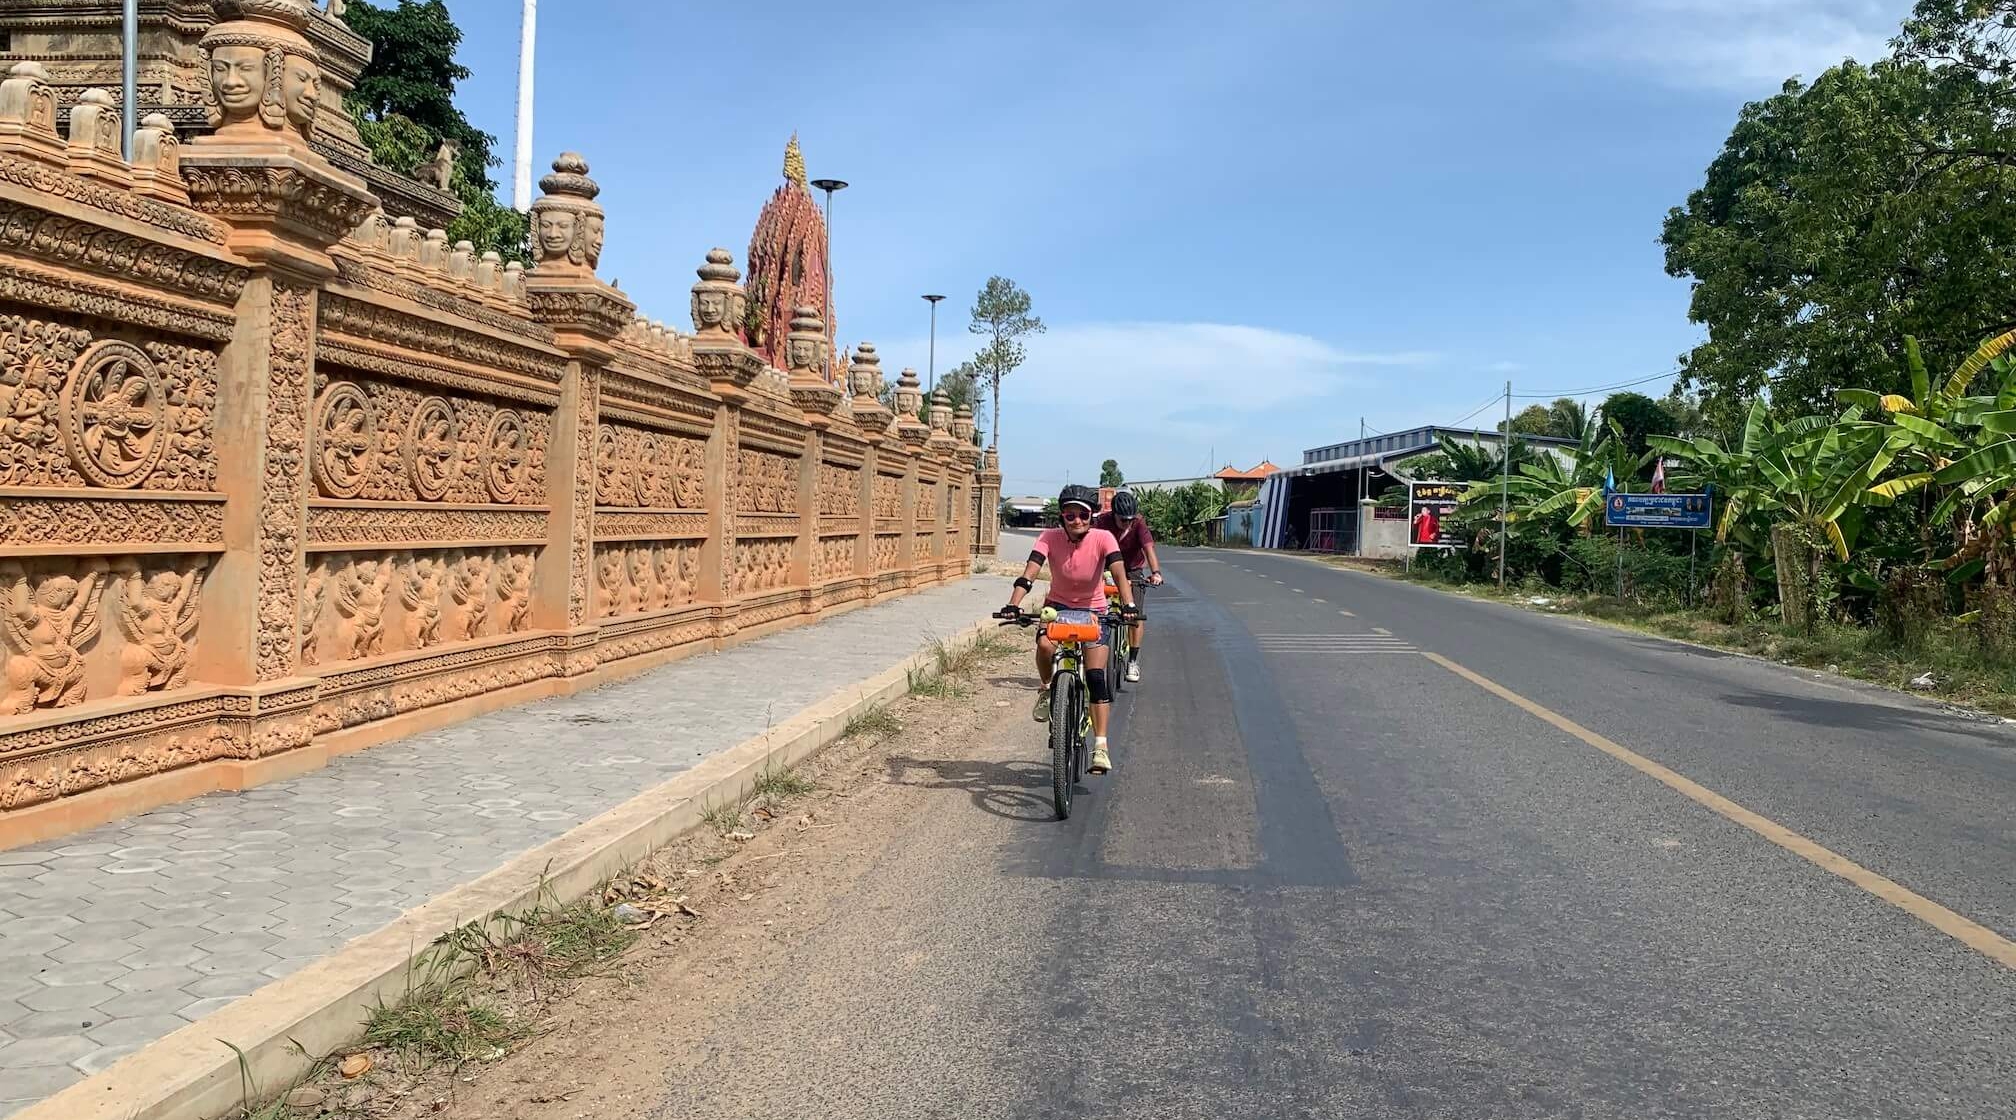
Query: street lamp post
(934,341)
(829,186)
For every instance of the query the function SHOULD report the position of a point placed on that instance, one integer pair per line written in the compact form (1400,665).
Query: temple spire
(794,162)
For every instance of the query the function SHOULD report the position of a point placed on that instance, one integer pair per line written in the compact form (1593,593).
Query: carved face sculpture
(593,226)
(710,309)
(803,353)
(56,593)
(301,91)
(556,234)
(238,78)
(163,588)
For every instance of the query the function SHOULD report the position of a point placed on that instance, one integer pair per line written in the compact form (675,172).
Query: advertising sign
(1658,511)
(1431,514)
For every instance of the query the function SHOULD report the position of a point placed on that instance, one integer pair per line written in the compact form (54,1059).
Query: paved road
(1333,877)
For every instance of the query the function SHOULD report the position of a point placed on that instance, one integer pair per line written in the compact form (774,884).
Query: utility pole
(521,178)
(1505,486)
(129,77)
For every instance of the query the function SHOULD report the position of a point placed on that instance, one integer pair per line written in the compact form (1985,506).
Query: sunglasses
(1075,515)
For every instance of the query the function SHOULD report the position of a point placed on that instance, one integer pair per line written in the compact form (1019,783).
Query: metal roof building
(1331,479)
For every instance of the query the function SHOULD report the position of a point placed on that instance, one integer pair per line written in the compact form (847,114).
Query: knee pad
(1096,684)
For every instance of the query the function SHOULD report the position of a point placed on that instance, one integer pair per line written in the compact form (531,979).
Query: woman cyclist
(1078,555)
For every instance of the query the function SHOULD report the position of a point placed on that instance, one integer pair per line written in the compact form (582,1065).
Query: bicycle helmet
(1080,496)
(1124,506)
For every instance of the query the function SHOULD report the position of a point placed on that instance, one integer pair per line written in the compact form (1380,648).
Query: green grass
(441,1021)
(877,722)
(723,818)
(777,783)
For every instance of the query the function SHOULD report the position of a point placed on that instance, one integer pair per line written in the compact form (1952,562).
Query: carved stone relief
(762,565)
(885,552)
(52,620)
(366,604)
(104,413)
(645,576)
(385,441)
(765,482)
(834,558)
(641,469)
(888,497)
(839,490)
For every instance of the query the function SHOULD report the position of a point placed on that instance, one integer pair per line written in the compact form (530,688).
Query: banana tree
(1798,477)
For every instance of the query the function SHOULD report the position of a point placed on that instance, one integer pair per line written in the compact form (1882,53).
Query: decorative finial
(794,162)
(566,223)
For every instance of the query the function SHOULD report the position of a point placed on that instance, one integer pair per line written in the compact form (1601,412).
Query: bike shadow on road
(1016,791)
(1854,715)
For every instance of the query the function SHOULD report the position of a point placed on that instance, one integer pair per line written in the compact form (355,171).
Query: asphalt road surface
(1552,870)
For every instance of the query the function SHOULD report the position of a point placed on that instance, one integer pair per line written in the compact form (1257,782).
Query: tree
(1001,316)
(1109,474)
(1878,202)
(1569,419)
(1533,420)
(404,104)
(1636,417)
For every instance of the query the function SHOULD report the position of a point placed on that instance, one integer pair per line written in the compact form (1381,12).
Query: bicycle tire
(1063,729)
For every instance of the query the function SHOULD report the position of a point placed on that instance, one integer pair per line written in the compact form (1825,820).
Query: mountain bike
(1120,637)
(1070,701)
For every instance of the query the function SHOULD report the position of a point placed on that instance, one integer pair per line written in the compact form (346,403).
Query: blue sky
(1245,224)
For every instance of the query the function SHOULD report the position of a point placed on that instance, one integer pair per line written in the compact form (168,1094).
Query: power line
(1592,389)
(1495,398)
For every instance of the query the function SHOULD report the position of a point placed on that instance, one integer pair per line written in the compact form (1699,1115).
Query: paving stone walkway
(114,937)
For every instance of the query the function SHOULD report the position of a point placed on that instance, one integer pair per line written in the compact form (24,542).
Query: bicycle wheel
(1063,733)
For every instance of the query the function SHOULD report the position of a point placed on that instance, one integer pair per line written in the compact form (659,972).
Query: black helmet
(1079,495)
(1124,506)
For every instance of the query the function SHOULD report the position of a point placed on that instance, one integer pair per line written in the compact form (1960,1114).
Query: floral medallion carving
(107,414)
(114,414)
(506,449)
(346,441)
(640,469)
(431,449)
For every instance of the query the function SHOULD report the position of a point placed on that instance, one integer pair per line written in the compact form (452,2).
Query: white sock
(1099,741)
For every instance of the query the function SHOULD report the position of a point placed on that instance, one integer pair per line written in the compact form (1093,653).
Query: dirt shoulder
(574,1015)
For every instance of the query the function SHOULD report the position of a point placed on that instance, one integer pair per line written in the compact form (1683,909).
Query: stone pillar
(944,452)
(914,434)
(987,486)
(1366,516)
(864,376)
(285,206)
(586,316)
(805,350)
(730,368)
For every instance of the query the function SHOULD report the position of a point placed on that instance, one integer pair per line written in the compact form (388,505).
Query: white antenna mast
(521,183)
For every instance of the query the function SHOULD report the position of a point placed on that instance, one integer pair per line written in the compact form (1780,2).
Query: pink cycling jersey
(1075,567)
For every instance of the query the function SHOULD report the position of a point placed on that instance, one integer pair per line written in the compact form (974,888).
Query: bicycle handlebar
(1113,617)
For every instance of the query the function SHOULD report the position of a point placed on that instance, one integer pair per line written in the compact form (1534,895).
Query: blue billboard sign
(1658,511)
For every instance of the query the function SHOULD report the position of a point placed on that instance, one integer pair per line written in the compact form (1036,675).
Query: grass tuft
(877,722)
(777,783)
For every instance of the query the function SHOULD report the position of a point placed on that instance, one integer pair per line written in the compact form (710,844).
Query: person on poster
(1427,527)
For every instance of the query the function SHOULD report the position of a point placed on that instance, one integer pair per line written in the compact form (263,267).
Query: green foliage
(1637,417)
(1533,420)
(1843,216)
(1109,474)
(1177,516)
(1564,419)
(1001,315)
(404,105)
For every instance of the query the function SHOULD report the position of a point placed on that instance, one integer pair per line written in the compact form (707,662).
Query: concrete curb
(192,1075)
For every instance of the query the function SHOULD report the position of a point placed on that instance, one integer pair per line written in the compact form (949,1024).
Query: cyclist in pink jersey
(1078,556)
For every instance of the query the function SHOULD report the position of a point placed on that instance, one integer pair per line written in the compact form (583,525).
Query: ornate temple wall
(281,478)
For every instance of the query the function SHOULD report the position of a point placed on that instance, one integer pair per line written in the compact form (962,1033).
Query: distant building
(1316,503)
(1254,475)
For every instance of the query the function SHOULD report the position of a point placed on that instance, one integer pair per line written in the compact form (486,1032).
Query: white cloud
(1162,398)
(1505,367)
(1740,46)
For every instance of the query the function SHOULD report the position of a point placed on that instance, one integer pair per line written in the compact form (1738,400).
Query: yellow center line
(1965,930)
